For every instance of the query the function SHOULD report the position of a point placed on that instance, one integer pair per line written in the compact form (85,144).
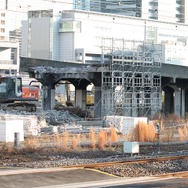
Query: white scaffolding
(132,84)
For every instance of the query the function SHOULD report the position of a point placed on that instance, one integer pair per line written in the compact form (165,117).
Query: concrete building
(65,36)
(11,14)
(9,51)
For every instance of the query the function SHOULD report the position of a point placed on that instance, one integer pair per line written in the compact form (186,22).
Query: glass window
(2,14)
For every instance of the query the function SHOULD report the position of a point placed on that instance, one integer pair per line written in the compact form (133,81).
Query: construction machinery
(13,96)
(90,98)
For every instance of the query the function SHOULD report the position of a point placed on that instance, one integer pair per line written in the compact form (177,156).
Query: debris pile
(47,122)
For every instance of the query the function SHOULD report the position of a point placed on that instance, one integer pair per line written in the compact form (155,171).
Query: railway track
(183,174)
(126,162)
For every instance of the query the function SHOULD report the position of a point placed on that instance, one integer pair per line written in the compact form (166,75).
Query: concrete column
(48,97)
(169,100)
(80,98)
(16,140)
(177,101)
(97,102)
(183,102)
(52,98)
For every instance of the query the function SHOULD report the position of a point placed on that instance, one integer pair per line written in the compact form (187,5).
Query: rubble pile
(40,122)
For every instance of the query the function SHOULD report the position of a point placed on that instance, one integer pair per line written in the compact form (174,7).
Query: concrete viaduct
(174,82)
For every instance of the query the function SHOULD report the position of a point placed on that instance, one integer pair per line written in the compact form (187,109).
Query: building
(11,14)
(9,53)
(162,10)
(65,36)
(88,5)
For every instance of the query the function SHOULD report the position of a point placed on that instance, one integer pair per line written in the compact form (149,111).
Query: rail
(141,161)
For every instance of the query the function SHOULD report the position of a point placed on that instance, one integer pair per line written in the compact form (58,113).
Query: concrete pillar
(16,140)
(183,102)
(169,100)
(177,101)
(97,102)
(80,98)
(186,102)
(52,98)
(48,97)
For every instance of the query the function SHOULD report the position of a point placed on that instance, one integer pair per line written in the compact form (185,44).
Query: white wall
(96,26)
(40,34)
(24,39)
(8,128)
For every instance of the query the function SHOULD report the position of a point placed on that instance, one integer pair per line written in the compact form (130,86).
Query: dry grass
(92,137)
(172,129)
(102,139)
(113,136)
(74,144)
(31,143)
(183,133)
(7,148)
(66,141)
(144,132)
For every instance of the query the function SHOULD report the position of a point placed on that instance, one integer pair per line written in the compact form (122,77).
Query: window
(2,30)
(2,22)
(2,14)
(2,38)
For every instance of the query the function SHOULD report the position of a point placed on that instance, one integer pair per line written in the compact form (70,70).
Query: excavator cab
(11,95)
(10,89)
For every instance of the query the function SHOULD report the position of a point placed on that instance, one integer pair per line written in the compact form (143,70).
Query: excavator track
(22,106)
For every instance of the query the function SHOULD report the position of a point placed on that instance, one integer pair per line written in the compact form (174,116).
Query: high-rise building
(88,5)
(162,10)
(123,7)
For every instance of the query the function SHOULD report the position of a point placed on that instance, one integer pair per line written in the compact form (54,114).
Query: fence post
(16,139)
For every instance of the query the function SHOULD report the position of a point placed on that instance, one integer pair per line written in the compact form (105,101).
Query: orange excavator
(13,96)
(30,92)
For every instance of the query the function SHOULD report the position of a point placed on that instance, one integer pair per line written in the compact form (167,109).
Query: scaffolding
(131,86)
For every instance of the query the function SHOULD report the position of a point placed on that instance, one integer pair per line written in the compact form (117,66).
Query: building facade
(9,50)
(162,10)
(65,37)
